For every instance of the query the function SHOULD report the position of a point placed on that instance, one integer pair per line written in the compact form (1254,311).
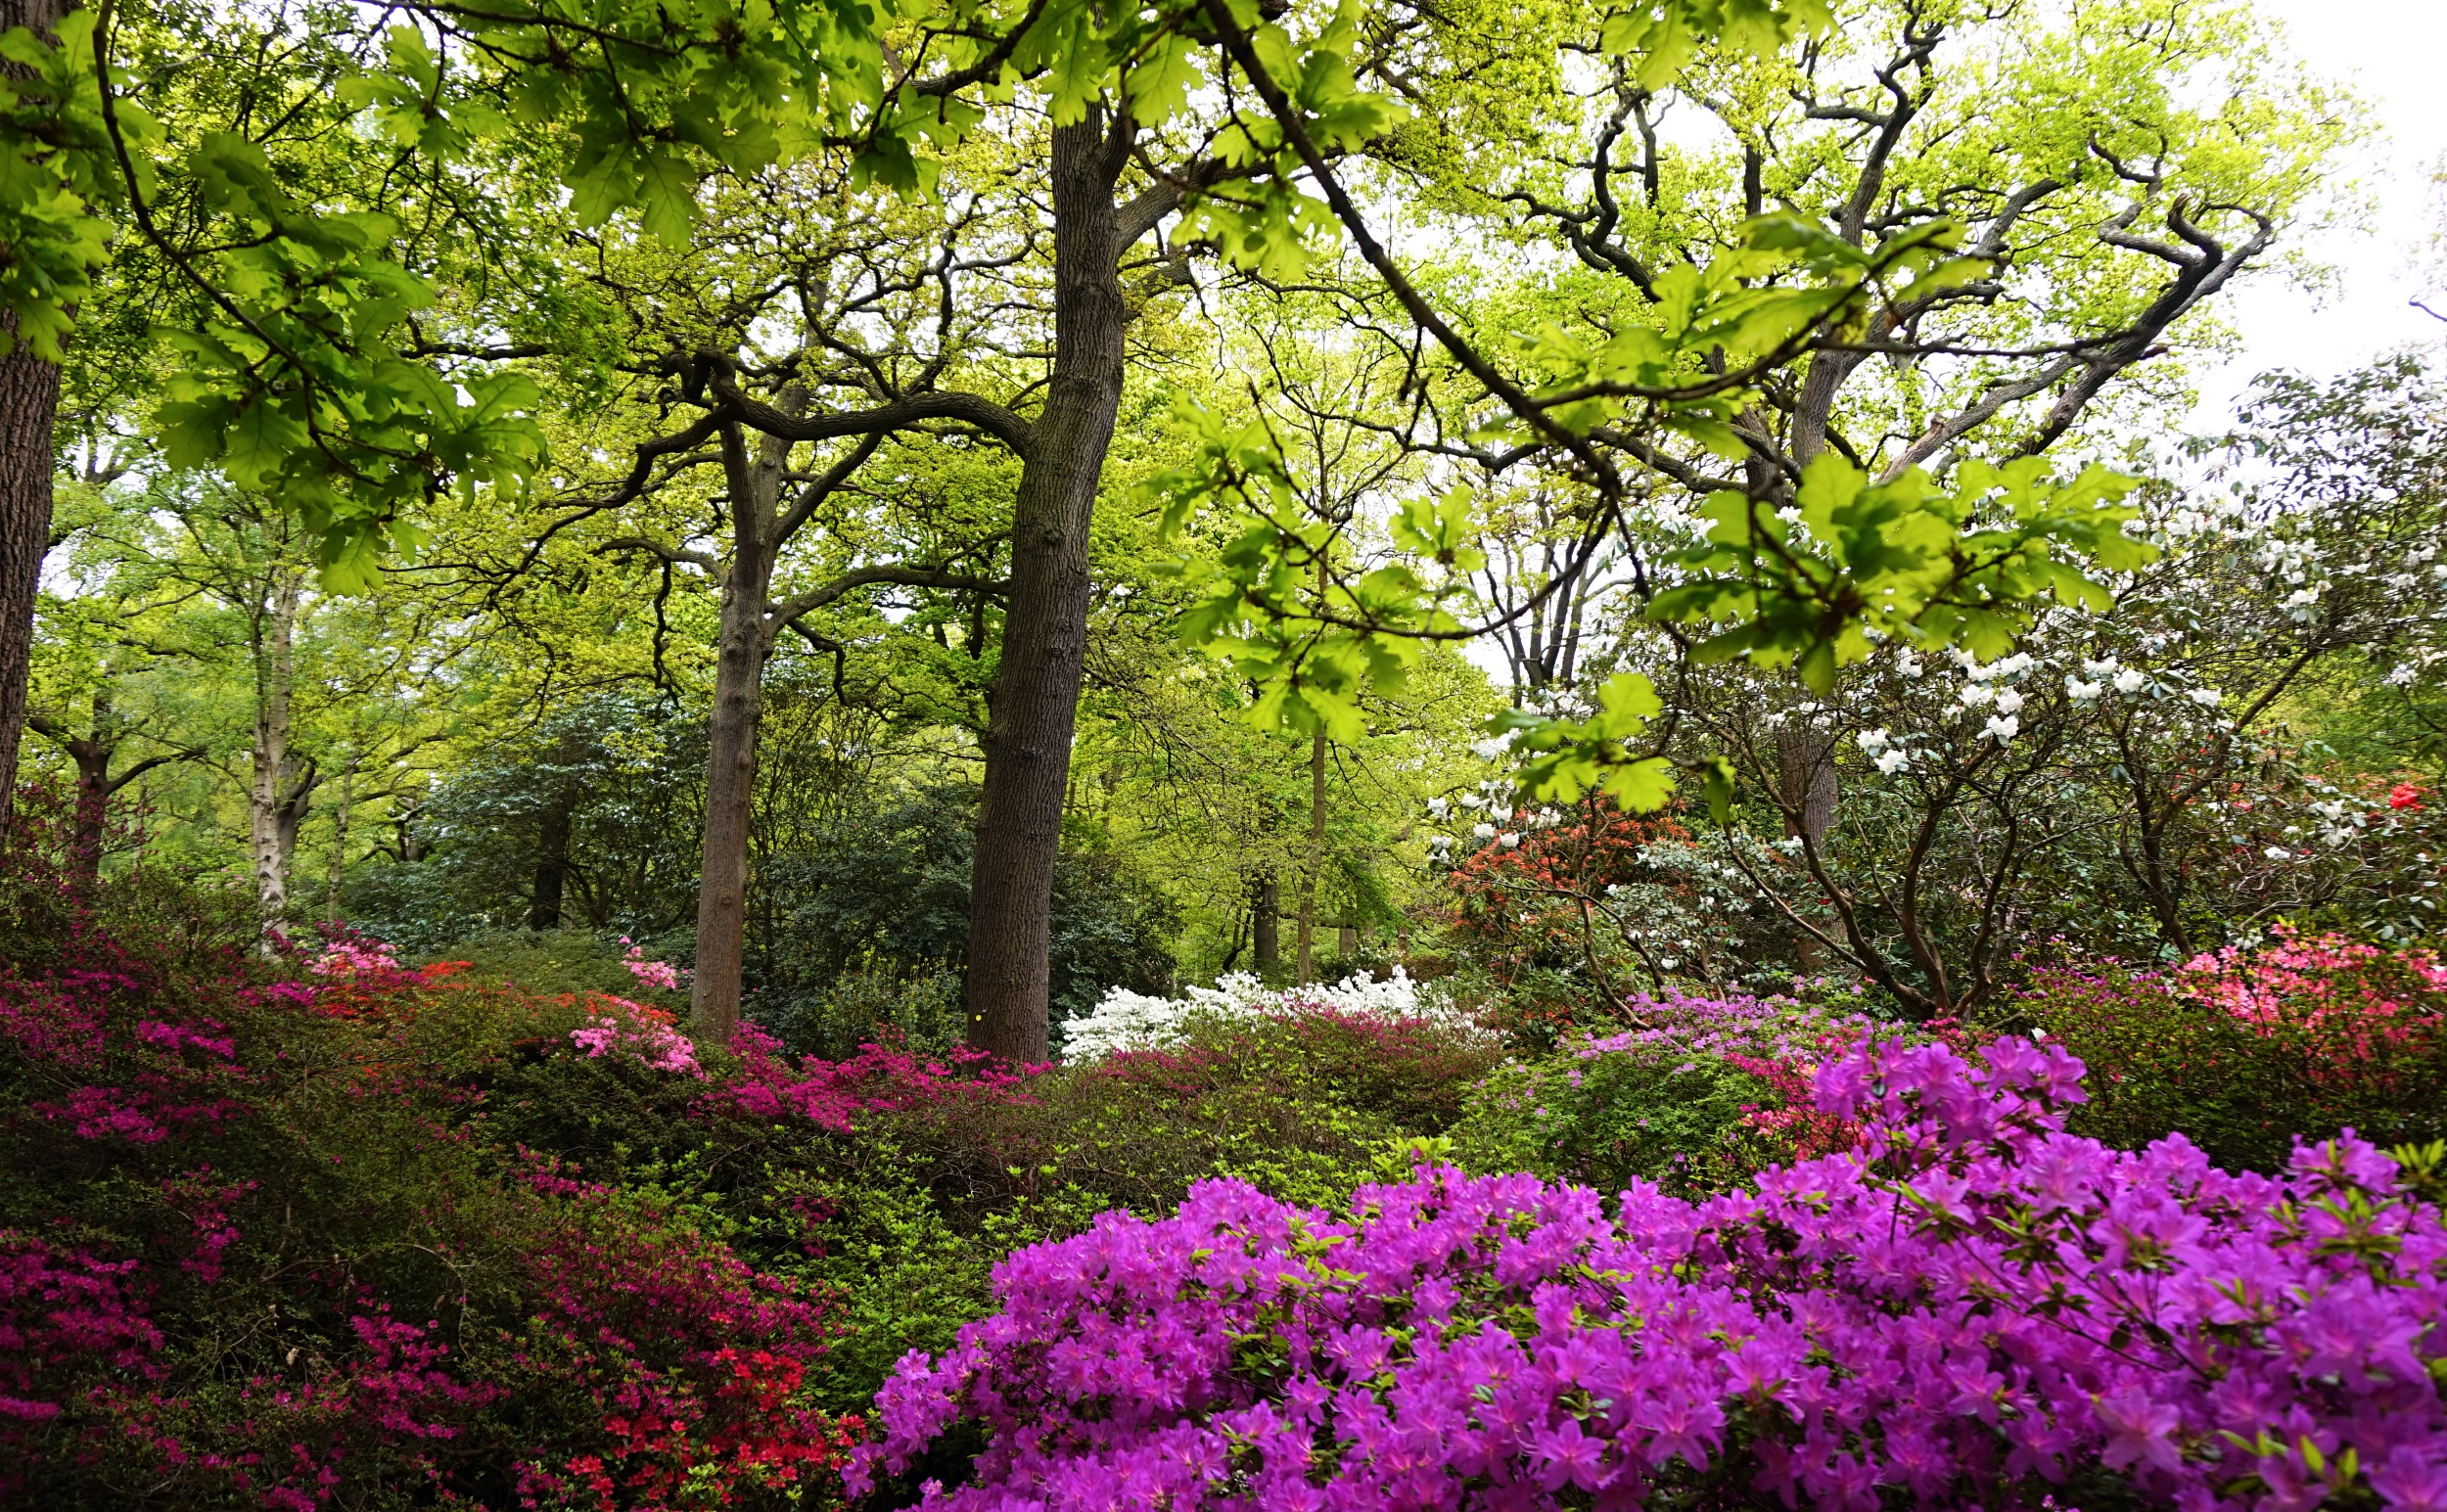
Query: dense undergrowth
(309,1229)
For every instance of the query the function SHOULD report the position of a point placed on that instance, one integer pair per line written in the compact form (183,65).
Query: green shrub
(2244,1050)
(1694,1096)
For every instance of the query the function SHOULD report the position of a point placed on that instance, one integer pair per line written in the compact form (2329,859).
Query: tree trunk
(29,404)
(275,669)
(1033,706)
(1267,925)
(339,833)
(552,865)
(1805,779)
(1316,858)
(755,483)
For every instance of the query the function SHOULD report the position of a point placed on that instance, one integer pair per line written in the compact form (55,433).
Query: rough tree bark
(269,792)
(30,403)
(754,478)
(1033,706)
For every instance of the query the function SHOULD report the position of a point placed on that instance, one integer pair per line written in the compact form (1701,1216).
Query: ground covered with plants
(1265,755)
(321,1229)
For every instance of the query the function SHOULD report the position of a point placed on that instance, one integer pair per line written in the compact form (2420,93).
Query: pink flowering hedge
(1971,1308)
(2245,1047)
(260,1247)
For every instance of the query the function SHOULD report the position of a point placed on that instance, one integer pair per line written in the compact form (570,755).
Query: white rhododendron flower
(1483,831)
(2207,698)
(2002,729)
(1471,800)
(1135,1021)
(2277,853)
(1894,760)
(1502,815)
(1507,840)
(1974,694)
(1872,742)
(2081,692)
(1438,807)
(2009,701)
(2131,680)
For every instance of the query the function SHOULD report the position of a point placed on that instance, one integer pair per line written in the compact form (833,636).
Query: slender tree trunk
(29,404)
(93,800)
(755,483)
(339,833)
(1316,858)
(1267,925)
(552,865)
(275,669)
(1033,705)
(1804,780)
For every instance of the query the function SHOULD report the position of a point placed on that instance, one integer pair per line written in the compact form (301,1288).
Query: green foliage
(1971,564)
(54,168)
(885,894)
(2162,1059)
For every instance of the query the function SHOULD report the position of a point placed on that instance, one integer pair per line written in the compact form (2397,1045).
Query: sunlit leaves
(1662,34)
(52,169)
(1967,564)
(1569,757)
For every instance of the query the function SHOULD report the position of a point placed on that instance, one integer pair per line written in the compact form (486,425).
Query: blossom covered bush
(1124,1020)
(1695,1094)
(261,1244)
(2243,1048)
(1970,1307)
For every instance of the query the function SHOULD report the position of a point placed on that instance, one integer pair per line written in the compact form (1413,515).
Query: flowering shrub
(2369,1003)
(618,1027)
(1125,1020)
(661,974)
(1972,1307)
(1699,1094)
(260,1245)
(2243,1048)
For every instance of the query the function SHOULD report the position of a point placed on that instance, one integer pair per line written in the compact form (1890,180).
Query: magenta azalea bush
(1969,1308)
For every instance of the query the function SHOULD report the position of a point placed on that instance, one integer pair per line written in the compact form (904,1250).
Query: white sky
(2391,52)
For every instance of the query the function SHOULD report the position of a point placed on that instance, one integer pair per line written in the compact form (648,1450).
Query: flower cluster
(348,957)
(1970,1307)
(879,1077)
(653,974)
(634,1031)
(1125,1020)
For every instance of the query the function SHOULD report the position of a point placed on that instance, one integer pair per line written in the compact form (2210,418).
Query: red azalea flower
(2404,794)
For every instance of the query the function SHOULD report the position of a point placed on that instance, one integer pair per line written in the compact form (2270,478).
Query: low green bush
(2244,1050)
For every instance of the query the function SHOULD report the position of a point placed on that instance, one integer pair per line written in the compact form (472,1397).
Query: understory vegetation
(1323,756)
